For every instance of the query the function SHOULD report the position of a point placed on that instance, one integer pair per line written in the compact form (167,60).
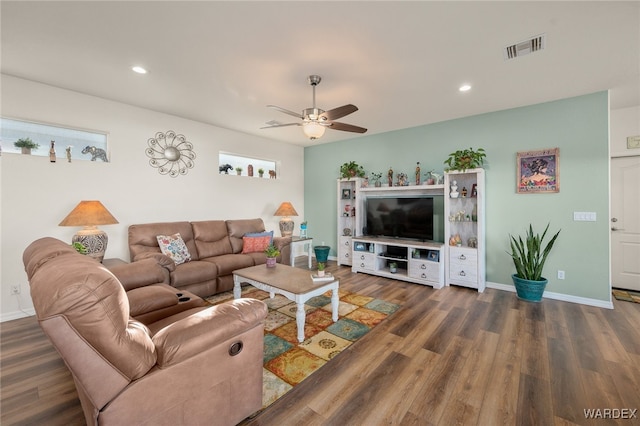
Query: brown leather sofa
(176,361)
(215,247)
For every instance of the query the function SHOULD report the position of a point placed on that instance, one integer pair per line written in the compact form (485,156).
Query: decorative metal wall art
(170,153)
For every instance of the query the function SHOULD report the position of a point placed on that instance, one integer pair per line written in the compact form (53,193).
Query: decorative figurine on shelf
(402,179)
(68,150)
(390,176)
(347,210)
(474,190)
(464,191)
(52,152)
(418,173)
(473,242)
(455,240)
(454,189)
(365,182)
(431,180)
(250,170)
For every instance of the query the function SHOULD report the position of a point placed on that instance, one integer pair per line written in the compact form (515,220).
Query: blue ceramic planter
(528,290)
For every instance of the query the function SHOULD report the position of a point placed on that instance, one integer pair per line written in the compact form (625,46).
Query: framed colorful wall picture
(538,171)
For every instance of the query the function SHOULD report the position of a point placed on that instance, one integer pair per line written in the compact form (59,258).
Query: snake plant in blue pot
(529,255)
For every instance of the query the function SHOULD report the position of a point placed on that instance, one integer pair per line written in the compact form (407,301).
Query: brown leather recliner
(199,366)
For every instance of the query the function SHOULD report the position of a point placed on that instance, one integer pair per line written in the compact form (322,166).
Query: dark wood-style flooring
(450,356)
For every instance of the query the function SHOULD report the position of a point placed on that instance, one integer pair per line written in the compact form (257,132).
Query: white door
(625,222)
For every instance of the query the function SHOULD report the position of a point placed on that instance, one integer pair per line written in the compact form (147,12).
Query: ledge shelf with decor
(349,222)
(416,262)
(465,261)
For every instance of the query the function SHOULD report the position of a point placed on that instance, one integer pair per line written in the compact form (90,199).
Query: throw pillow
(174,247)
(255,244)
(260,234)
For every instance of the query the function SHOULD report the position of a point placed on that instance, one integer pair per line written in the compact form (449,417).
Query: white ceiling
(401,63)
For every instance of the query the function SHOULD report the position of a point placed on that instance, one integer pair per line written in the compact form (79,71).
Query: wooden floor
(447,357)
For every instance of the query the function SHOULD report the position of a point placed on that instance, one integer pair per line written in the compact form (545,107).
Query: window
(230,163)
(84,144)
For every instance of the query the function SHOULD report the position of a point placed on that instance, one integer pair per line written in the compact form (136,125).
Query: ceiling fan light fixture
(313,130)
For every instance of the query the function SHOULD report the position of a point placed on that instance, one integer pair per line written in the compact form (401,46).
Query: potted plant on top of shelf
(529,257)
(272,252)
(376,179)
(465,159)
(26,145)
(351,169)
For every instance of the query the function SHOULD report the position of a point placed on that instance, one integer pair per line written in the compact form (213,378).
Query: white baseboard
(558,296)
(17,315)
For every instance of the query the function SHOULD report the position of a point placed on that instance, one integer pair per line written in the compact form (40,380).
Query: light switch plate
(584,216)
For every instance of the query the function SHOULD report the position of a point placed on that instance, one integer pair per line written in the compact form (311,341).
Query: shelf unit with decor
(465,261)
(349,222)
(417,262)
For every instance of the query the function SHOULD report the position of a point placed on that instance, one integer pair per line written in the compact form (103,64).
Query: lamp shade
(286,209)
(89,213)
(313,130)
(286,224)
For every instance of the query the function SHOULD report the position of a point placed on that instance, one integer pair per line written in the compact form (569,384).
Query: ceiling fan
(315,120)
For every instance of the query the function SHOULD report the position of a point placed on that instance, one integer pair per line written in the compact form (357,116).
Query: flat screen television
(414,218)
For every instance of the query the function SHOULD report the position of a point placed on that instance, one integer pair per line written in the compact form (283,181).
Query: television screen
(417,218)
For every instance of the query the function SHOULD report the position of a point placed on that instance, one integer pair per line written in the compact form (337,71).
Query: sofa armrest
(206,328)
(139,274)
(151,298)
(284,245)
(161,259)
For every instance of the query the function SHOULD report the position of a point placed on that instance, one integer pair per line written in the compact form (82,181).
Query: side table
(301,240)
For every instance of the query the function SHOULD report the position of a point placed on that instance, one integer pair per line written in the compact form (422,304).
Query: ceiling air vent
(525,47)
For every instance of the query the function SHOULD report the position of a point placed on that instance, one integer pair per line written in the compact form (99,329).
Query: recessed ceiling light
(139,70)
(465,88)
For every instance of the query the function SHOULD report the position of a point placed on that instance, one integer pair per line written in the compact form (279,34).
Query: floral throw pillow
(255,244)
(174,247)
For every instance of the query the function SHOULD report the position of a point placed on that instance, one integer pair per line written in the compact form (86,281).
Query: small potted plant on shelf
(393,267)
(261,172)
(376,179)
(26,145)
(321,267)
(272,252)
(465,159)
(529,255)
(351,169)
(239,170)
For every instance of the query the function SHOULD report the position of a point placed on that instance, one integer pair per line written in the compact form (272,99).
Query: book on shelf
(327,277)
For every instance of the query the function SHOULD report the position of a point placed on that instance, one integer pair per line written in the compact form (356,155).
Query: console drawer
(463,266)
(344,251)
(364,261)
(424,270)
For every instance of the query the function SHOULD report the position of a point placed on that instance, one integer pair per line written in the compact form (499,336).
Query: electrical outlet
(15,289)
(561,275)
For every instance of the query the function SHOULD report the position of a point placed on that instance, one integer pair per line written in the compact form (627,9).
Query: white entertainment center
(422,262)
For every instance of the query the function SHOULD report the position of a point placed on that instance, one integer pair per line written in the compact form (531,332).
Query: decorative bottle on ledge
(52,152)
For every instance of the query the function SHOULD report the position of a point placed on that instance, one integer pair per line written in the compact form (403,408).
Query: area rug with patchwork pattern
(287,362)
(626,295)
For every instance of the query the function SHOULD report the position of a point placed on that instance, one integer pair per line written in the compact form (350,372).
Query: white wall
(625,122)
(36,194)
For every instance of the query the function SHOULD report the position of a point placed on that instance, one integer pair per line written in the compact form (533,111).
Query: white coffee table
(293,283)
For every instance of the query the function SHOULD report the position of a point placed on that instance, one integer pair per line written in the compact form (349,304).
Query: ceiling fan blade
(346,127)
(286,111)
(334,114)
(281,125)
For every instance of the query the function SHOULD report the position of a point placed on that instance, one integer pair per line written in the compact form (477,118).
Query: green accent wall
(578,126)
